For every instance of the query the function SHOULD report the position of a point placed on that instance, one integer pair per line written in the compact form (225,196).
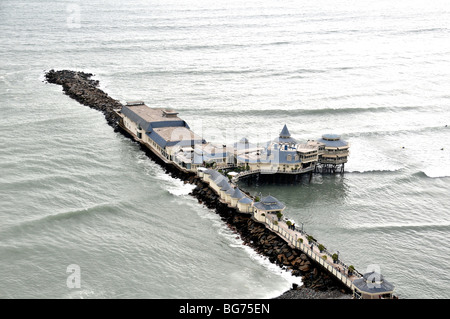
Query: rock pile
(80,87)
(308,293)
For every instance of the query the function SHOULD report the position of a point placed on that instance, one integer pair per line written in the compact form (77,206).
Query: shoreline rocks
(308,293)
(80,87)
(317,283)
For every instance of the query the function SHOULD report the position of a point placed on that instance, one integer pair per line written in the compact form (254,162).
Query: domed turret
(373,286)
(285,137)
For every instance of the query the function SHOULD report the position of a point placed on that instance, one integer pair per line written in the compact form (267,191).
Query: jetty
(269,211)
(216,170)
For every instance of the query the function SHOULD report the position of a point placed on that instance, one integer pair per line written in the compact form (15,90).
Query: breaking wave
(174,186)
(368,171)
(282,113)
(389,228)
(434,173)
(284,273)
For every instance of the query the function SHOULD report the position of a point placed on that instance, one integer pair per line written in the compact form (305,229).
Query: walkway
(291,236)
(275,171)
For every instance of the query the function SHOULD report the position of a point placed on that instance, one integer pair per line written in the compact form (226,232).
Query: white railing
(293,239)
(288,171)
(245,173)
(274,171)
(222,166)
(332,161)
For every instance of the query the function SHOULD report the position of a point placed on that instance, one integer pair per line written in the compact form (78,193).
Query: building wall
(206,177)
(234,201)
(133,127)
(215,187)
(258,216)
(129,124)
(245,208)
(223,195)
(341,153)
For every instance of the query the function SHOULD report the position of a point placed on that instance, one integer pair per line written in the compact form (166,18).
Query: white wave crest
(174,186)
(437,172)
(235,241)
(285,274)
(369,170)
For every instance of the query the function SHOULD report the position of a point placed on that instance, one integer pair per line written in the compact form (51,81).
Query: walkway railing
(245,173)
(274,171)
(225,166)
(292,236)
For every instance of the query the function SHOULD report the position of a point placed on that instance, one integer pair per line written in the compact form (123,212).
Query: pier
(169,141)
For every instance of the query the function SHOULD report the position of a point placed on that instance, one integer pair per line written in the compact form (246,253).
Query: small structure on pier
(333,153)
(223,191)
(232,196)
(228,194)
(219,184)
(245,205)
(269,204)
(236,196)
(163,132)
(209,175)
(201,171)
(372,286)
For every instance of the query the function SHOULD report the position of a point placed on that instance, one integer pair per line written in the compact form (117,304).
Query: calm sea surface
(73,192)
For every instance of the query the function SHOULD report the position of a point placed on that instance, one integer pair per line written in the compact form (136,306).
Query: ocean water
(74,192)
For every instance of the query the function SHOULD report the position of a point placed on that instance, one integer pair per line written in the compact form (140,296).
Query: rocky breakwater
(80,87)
(316,281)
(270,245)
